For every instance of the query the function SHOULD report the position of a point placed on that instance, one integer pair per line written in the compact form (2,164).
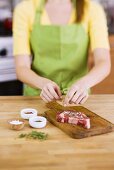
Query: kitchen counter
(59,151)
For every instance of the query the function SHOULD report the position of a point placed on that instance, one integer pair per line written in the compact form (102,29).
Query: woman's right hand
(50,92)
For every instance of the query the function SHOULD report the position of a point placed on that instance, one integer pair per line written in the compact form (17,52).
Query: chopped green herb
(34,135)
(22,135)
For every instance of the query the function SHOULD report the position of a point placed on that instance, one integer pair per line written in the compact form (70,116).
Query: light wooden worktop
(59,152)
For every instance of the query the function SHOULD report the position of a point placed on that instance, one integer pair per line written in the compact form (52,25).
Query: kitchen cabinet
(107,86)
(11,88)
(8,80)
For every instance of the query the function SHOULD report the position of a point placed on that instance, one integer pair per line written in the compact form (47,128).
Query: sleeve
(21,33)
(98,30)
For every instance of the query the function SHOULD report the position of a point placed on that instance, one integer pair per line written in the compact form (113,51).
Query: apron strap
(39,11)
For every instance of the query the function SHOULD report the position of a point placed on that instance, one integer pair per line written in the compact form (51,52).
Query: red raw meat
(73,117)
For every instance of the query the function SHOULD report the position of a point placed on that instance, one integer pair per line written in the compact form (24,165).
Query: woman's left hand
(77,94)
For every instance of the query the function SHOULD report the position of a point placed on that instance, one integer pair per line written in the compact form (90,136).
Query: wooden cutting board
(98,124)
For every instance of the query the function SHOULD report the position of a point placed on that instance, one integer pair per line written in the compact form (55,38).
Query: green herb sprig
(34,135)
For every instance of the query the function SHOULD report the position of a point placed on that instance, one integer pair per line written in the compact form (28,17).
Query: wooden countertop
(60,151)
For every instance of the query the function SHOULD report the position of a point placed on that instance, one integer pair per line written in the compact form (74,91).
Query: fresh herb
(22,135)
(34,135)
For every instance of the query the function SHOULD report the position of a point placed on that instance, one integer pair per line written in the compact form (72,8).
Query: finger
(53,92)
(45,90)
(57,89)
(83,95)
(75,97)
(44,95)
(69,96)
(84,100)
(43,98)
(72,92)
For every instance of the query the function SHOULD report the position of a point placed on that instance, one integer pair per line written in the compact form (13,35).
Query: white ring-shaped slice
(25,113)
(37,122)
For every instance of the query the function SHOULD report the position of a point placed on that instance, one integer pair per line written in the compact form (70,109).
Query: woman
(58,34)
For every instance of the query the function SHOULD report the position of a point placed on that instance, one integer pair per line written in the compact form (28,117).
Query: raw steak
(73,117)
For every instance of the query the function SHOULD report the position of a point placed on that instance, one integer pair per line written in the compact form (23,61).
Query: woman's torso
(60,51)
(76,36)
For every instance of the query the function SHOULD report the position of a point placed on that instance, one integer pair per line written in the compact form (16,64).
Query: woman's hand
(50,92)
(77,94)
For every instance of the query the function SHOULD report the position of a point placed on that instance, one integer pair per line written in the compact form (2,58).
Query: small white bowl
(28,113)
(38,122)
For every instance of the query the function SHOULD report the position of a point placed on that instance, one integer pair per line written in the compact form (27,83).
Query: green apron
(60,53)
